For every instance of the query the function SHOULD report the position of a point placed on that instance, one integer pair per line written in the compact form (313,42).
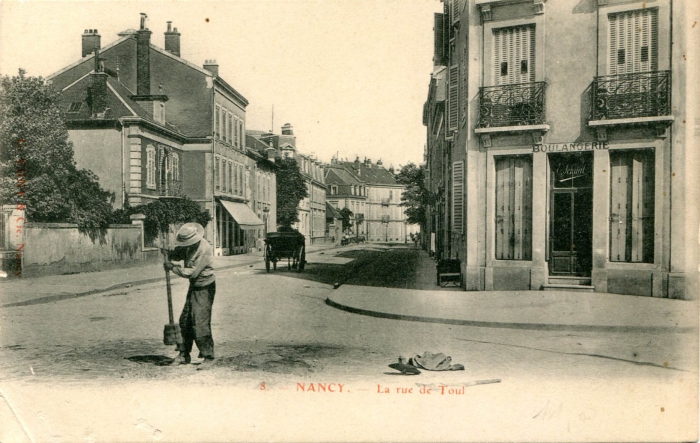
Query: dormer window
(74,107)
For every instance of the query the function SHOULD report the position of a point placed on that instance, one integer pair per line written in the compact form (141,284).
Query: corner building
(557,149)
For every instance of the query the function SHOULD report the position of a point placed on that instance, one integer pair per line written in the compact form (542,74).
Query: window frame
(489,48)
(663,42)
(648,171)
(526,239)
(151,167)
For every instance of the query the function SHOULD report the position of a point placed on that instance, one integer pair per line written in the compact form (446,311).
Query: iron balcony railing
(173,188)
(643,94)
(512,105)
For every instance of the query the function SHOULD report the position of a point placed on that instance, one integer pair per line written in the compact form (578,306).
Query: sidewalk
(27,291)
(544,310)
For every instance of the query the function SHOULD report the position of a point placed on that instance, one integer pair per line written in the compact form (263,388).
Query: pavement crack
(585,354)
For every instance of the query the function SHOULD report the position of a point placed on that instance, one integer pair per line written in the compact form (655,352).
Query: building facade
(563,160)
(150,124)
(312,209)
(346,190)
(374,194)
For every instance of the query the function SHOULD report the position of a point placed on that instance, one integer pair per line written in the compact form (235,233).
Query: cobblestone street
(274,331)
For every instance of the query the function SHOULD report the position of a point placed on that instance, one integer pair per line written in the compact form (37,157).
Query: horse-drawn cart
(289,245)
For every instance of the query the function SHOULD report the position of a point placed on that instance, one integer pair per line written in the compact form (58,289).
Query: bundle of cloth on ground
(427,361)
(434,362)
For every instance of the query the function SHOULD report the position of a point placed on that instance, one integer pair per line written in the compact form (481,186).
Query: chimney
(98,87)
(172,40)
(212,66)
(91,41)
(143,58)
(287,129)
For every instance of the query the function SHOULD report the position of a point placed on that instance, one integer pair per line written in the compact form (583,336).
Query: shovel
(171,331)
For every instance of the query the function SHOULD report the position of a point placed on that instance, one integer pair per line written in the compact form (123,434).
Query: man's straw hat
(189,234)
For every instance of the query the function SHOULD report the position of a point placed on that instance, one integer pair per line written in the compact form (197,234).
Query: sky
(351,76)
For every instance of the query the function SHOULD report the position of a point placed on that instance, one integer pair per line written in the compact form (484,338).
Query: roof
(118,101)
(371,175)
(338,175)
(331,212)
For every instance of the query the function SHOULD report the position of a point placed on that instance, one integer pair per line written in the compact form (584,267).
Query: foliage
(36,159)
(291,189)
(346,217)
(415,197)
(162,213)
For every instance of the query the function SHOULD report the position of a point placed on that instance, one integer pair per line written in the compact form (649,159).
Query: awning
(243,215)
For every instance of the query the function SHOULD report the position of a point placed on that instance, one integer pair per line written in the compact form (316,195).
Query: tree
(346,217)
(415,197)
(291,189)
(162,213)
(36,159)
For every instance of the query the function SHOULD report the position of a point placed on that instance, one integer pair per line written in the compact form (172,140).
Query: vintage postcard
(360,220)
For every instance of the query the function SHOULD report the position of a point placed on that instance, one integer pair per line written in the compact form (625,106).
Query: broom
(171,331)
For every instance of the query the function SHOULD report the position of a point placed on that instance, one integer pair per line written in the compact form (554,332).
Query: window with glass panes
(632,205)
(217,122)
(513,223)
(217,179)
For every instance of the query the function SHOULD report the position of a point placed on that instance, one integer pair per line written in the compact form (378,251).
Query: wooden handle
(167,285)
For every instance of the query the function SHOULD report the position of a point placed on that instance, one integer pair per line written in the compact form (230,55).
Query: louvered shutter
(458,196)
(514,208)
(454,13)
(453,99)
(439,29)
(514,55)
(633,42)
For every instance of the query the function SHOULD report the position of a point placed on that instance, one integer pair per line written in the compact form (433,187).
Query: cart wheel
(302,258)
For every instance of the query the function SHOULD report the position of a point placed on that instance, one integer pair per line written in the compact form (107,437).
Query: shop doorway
(571,214)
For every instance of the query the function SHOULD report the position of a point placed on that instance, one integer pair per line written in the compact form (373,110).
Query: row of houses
(370,191)
(153,125)
(557,151)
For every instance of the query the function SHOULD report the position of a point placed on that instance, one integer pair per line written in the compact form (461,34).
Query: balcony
(517,108)
(628,99)
(170,188)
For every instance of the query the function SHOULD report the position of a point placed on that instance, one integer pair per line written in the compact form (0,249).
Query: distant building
(557,147)
(151,124)
(374,194)
(311,210)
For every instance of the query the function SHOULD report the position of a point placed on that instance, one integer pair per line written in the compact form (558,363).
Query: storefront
(236,226)
(583,215)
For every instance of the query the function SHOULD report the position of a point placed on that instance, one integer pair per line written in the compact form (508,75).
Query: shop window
(514,208)
(632,206)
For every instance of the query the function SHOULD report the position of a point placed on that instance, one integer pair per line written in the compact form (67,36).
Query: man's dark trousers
(195,320)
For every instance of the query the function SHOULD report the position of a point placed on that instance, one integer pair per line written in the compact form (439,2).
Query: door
(571,215)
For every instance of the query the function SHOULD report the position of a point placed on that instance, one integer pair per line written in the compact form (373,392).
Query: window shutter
(633,41)
(514,55)
(455,10)
(453,98)
(439,30)
(458,196)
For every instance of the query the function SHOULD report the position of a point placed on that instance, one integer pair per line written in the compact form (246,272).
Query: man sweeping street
(195,320)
